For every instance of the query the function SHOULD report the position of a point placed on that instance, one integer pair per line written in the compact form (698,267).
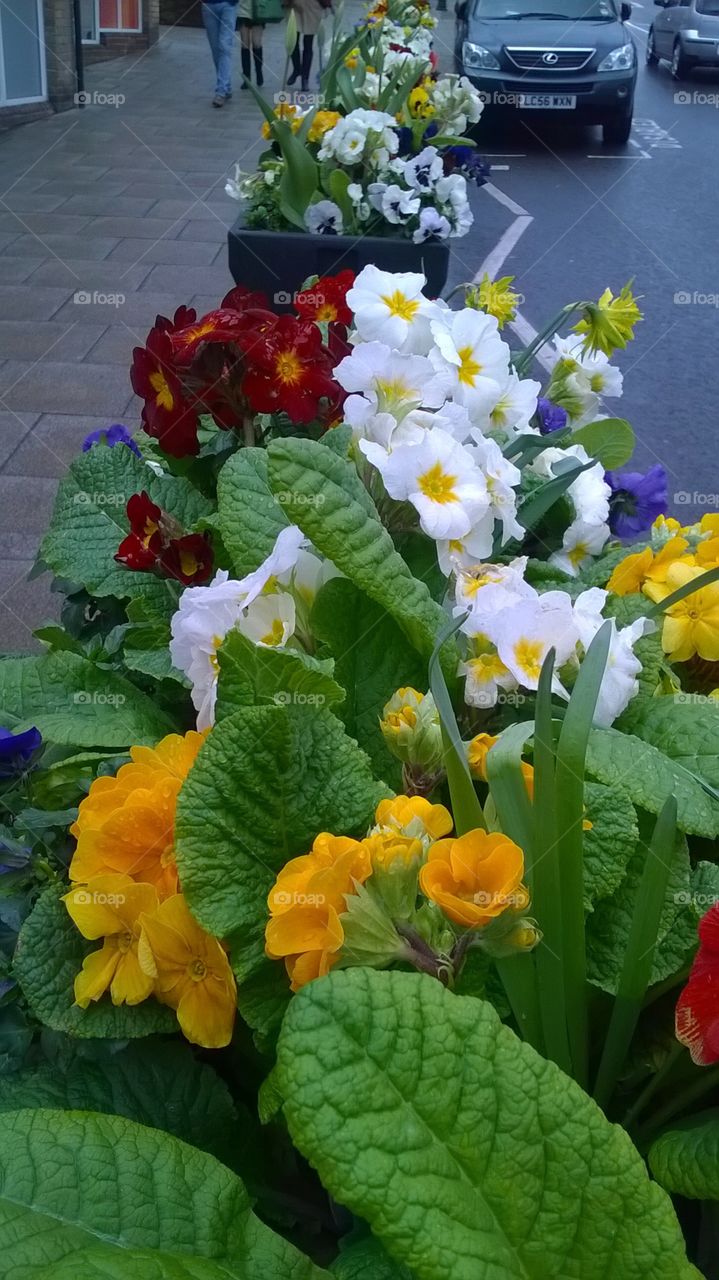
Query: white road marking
(643,156)
(633,25)
(498,166)
(494,262)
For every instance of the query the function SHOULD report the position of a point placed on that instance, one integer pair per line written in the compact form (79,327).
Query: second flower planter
(279,262)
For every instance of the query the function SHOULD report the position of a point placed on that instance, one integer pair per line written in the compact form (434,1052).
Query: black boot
(257,55)
(296,64)
(246,66)
(306,62)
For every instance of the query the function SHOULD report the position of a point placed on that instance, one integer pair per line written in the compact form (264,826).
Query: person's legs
(296,63)
(307,44)
(245,35)
(212,27)
(226,42)
(257,53)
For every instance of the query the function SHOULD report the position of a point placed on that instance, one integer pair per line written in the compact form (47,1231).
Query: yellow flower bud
(411,729)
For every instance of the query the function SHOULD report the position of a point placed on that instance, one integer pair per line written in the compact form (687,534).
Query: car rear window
(708,6)
(573,10)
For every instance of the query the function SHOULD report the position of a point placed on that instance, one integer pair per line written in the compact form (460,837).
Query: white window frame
(121,30)
(42,96)
(96,41)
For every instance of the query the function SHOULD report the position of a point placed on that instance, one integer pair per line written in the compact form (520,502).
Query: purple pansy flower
(552,417)
(17,750)
(636,500)
(116,434)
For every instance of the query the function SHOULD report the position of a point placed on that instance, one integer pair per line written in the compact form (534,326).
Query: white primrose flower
(360,204)
(424,169)
(485,678)
(451,195)
(486,590)
(516,405)
(472,357)
(580,542)
(502,478)
(440,479)
(351,135)
(390,307)
(205,615)
(457,102)
(270,620)
(456,554)
(397,205)
(391,381)
(589,493)
(525,633)
(324,218)
(432,226)
(619,682)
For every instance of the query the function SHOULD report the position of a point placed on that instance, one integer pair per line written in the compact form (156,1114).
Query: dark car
(686,34)
(574,58)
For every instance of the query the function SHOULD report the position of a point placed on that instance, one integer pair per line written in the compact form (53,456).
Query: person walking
(309,14)
(220,17)
(252,27)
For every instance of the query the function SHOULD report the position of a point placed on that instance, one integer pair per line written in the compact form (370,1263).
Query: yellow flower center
(197,970)
(398,305)
(163,394)
(124,941)
(188,563)
(438,485)
(275,634)
(487,667)
(149,532)
(528,656)
(468,367)
(328,311)
(396,389)
(288,367)
(577,554)
(214,660)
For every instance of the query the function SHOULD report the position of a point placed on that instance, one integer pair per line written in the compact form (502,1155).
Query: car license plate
(548,101)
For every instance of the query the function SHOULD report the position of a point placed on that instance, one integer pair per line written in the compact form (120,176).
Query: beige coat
(309,16)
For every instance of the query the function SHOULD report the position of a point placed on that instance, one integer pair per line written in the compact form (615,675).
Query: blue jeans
(219,20)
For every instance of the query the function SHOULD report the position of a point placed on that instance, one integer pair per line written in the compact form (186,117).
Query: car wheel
(651,53)
(680,66)
(617,129)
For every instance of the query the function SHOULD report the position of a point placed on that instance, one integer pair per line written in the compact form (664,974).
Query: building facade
(38,49)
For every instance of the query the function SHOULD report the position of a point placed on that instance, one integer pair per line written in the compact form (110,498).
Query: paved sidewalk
(110,202)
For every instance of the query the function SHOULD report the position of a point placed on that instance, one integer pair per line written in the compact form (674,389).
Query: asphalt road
(585,216)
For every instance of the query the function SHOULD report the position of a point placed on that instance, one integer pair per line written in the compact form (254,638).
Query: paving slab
(23,303)
(52,386)
(50,445)
(33,340)
(13,430)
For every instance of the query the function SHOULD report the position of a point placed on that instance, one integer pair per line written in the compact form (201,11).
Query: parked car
(686,33)
(568,57)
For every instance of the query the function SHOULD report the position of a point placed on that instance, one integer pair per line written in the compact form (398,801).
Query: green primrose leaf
(249,518)
(685,1160)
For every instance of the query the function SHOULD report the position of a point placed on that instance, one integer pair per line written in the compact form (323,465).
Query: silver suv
(686,33)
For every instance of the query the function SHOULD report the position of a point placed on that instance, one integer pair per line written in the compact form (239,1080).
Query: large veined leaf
(685,727)
(372,660)
(469,1155)
(609,440)
(249,518)
(157,1083)
(253,675)
(97,1263)
(89,520)
(75,703)
(648,776)
(73,1181)
(266,782)
(323,494)
(609,843)
(609,924)
(49,954)
(686,1159)
(367,1260)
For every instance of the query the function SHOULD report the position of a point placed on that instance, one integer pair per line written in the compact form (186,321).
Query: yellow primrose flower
(496,298)
(283,111)
(322,123)
(477,752)
(110,907)
(609,323)
(419,104)
(691,626)
(405,828)
(630,574)
(666,524)
(410,726)
(706,553)
(352,59)
(475,877)
(709,523)
(191,973)
(126,824)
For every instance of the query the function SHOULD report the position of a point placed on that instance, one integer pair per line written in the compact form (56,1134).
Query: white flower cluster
(270,607)
(362,136)
(579,379)
(415,43)
(511,629)
(457,104)
(427,388)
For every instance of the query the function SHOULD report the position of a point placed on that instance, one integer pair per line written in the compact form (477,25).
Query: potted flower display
(377,173)
(359,884)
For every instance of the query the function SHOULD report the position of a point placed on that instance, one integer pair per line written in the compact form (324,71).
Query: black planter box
(279,262)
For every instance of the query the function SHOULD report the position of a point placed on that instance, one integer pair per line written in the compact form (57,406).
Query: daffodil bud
(411,728)
(609,323)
